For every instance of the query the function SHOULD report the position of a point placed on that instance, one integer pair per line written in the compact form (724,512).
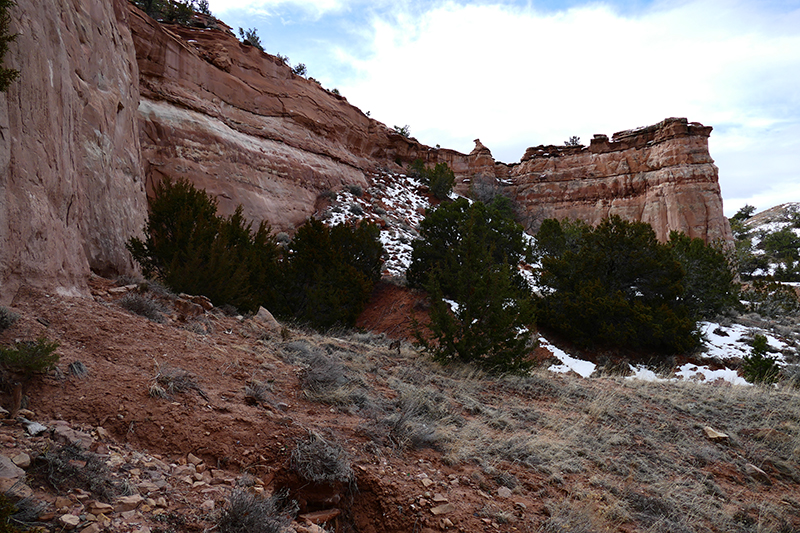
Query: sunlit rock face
(661,174)
(71,183)
(241,125)
(110,101)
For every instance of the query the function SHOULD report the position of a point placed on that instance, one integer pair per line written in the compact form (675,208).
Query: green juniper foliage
(614,286)
(328,273)
(172,11)
(250,36)
(191,249)
(759,366)
(7,75)
(440,179)
(323,278)
(30,357)
(709,279)
(444,228)
(481,311)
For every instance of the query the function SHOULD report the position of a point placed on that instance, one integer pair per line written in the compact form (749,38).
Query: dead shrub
(249,513)
(142,305)
(69,467)
(318,460)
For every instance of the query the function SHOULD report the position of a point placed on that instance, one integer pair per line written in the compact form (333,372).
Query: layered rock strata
(71,187)
(662,174)
(110,101)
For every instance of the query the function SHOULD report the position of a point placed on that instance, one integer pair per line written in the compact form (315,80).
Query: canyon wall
(238,123)
(661,174)
(109,101)
(71,187)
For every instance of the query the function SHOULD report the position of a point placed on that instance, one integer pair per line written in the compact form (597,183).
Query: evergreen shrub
(7,75)
(192,250)
(760,367)
(327,273)
(30,357)
(481,311)
(614,286)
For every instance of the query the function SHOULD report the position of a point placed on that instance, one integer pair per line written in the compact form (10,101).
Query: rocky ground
(158,426)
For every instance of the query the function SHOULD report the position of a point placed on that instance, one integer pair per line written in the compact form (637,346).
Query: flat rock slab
(443,509)
(320,517)
(9,470)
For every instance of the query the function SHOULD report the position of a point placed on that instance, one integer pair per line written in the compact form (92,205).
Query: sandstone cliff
(71,187)
(241,125)
(661,174)
(110,100)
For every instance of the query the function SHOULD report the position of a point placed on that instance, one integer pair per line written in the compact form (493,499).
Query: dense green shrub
(440,179)
(614,285)
(443,230)
(173,11)
(328,273)
(323,277)
(481,311)
(771,299)
(709,281)
(759,366)
(30,357)
(7,75)
(191,249)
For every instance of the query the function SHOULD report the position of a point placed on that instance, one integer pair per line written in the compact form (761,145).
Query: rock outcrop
(238,123)
(71,187)
(110,101)
(661,174)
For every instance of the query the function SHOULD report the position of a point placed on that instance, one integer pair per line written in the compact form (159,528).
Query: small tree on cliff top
(7,75)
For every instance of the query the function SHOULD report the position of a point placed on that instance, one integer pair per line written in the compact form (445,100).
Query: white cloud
(516,77)
(317,7)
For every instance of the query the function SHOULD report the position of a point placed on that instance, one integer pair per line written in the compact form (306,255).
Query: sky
(518,73)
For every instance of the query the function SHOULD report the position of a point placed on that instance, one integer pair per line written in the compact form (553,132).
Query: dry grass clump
(142,305)
(249,513)
(7,318)
(69,467)
(605,452)
(255,393)
(169,381)
(319,460)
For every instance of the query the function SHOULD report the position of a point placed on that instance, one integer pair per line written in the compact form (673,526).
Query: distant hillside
(768,243)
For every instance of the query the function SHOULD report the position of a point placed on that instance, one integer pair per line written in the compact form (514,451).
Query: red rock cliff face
(662,175)
(71,187)
(241,125)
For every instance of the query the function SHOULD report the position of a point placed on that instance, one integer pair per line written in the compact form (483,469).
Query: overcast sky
(524,73)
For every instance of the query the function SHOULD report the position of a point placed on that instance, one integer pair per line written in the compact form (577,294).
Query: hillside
(427,448)
(164,425)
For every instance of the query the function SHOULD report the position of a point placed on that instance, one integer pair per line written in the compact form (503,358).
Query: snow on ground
(568,363)
(722,342)
(726,342)
(396,203)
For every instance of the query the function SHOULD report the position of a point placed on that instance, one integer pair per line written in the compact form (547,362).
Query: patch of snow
(454,307)
(727,342)
(568,363)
